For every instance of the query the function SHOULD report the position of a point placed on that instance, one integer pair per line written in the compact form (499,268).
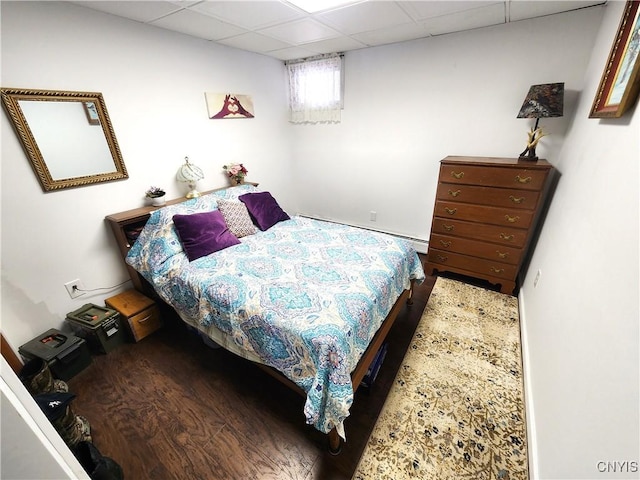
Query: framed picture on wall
(229,105)
(620,81)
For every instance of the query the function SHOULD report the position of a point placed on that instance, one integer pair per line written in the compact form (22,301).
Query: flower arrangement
(236,172)
(154,192)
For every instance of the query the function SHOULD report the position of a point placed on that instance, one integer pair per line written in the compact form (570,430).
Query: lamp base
(193,194)
(535,134)
(529,154)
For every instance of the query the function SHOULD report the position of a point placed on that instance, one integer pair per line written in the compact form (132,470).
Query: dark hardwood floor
(169,407)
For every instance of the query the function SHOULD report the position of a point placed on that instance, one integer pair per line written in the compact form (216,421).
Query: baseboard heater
(419,244)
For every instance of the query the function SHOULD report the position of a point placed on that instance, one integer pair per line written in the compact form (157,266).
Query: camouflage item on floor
(60,386)
(37,377)
(73,428)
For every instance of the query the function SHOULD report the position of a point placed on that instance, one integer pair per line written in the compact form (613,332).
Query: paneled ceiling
(286,31)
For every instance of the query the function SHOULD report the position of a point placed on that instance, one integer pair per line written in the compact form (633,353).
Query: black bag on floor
(96,465)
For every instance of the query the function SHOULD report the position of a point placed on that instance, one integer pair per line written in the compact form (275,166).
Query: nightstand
(140,312)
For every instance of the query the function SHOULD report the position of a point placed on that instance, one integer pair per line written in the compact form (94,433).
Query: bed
(308,299)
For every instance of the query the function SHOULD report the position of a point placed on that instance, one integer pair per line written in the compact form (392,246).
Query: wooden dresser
(485,216)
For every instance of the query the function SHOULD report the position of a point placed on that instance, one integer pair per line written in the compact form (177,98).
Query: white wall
(581,328)
(153,82)
(409,105)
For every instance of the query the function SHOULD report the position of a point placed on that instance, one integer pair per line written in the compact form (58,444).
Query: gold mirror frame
(95,118)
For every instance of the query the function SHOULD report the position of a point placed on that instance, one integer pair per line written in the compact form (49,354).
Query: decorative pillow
(203,233)
(237,218)
(264,209)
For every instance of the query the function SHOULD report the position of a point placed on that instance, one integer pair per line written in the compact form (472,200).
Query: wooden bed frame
(124,222)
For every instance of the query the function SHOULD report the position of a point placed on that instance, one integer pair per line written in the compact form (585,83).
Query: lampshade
(542,101)
(546,100)
(190,174)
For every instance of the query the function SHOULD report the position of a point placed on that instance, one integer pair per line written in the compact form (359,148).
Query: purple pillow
(203,233)
(264,209)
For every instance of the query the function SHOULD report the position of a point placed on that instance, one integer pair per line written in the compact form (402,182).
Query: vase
(158,201)
(237,181)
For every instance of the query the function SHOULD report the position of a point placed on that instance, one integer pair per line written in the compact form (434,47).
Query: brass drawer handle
(520,179)
(448,228)
(144,319)
(518,200)
(454,194)
(450,211)
(457,175)
(502,254)
(497,270)
(442,258)
(445,244)
(511,219)
(504,236)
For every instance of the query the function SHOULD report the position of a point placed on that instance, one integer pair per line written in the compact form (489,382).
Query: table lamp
(190,174)
(542,101)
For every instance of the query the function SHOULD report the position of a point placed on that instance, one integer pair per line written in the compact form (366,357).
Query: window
(315,90)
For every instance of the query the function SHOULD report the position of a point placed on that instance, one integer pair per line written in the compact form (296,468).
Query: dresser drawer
(490,233)
(472,264)
(518,177)
(475,248)
(145,322)
(497,197)
(484,214)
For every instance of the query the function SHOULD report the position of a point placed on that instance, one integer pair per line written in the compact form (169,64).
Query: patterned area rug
(456,409)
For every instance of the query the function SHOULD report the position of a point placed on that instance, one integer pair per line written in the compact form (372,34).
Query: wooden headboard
(126,225)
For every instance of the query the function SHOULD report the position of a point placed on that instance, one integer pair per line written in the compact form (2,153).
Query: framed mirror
(67,136)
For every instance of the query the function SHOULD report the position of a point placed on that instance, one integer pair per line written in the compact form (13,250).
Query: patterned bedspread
(305,297)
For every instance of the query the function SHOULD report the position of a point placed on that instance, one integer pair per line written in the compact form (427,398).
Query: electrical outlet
(537,279)
(373,215)
(73,288)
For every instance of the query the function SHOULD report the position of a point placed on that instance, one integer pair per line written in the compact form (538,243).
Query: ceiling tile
(399,33)
(292,53)
(521,10)
(249,14)
(184,3)
(300,31)
(140,11)
(340,44)
(467,20)
(282,30)
(421,10)
(254,42)
(315,6)
(365,16)
(203,26)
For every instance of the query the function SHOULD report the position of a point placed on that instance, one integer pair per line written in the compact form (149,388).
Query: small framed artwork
(91,112)
(229,105)
(620,82)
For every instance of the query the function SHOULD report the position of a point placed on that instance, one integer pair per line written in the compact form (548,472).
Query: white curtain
(314,90)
